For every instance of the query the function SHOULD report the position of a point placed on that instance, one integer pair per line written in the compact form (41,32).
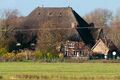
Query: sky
(82,7)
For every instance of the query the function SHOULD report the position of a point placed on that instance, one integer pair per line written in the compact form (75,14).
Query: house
(64,25)
(56,17)
(76,49)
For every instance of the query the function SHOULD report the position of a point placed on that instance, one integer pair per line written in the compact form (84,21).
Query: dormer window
(60,14)
(50,13)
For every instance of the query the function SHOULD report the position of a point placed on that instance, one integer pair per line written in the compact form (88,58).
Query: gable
(100,47)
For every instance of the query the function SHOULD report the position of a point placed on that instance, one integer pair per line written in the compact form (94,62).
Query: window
(81,53)
(49,14)
(71,45)
(75,53)
(39,13)
(60,14)
(66,53)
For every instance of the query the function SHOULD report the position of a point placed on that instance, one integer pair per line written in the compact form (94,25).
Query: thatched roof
(64,17)
(61,17)
(55,17)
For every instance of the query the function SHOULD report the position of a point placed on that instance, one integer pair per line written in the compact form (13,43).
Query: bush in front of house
(45,56)
(8,57)
(24,55)
(49,57)
(61,57)
(38,54)
(2,51)
(20,57)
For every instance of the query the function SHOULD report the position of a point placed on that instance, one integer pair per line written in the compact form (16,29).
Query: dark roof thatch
(61,17)
(64,17)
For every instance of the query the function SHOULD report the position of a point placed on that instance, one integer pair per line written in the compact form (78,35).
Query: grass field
(59,71)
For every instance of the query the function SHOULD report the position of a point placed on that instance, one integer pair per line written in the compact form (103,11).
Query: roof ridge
(55,7)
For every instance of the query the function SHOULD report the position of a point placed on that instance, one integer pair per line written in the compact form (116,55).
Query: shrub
(24,55)
(2,51)
(49,55)
(61,57)
(8,57)
(38,54)
(20,56)
(45,56)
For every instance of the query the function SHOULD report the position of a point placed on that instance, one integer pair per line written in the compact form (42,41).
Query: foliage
(8,57)
(61,57)
(2,51)
(20,56)
(46,56)
(38,54)
(49,55)
(24,55)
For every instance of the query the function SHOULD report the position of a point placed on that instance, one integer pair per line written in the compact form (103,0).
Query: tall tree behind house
(100,17)
(8,23)
(114,30)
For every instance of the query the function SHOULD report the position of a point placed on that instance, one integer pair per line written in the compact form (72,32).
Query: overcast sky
(81,6)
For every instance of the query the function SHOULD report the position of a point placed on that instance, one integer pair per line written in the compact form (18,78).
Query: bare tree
(114,32)
(49,37)
(116,20)
(114,35)
(9,20)
(100,17)
(117,16)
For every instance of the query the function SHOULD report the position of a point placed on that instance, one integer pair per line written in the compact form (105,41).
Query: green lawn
(59,71)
